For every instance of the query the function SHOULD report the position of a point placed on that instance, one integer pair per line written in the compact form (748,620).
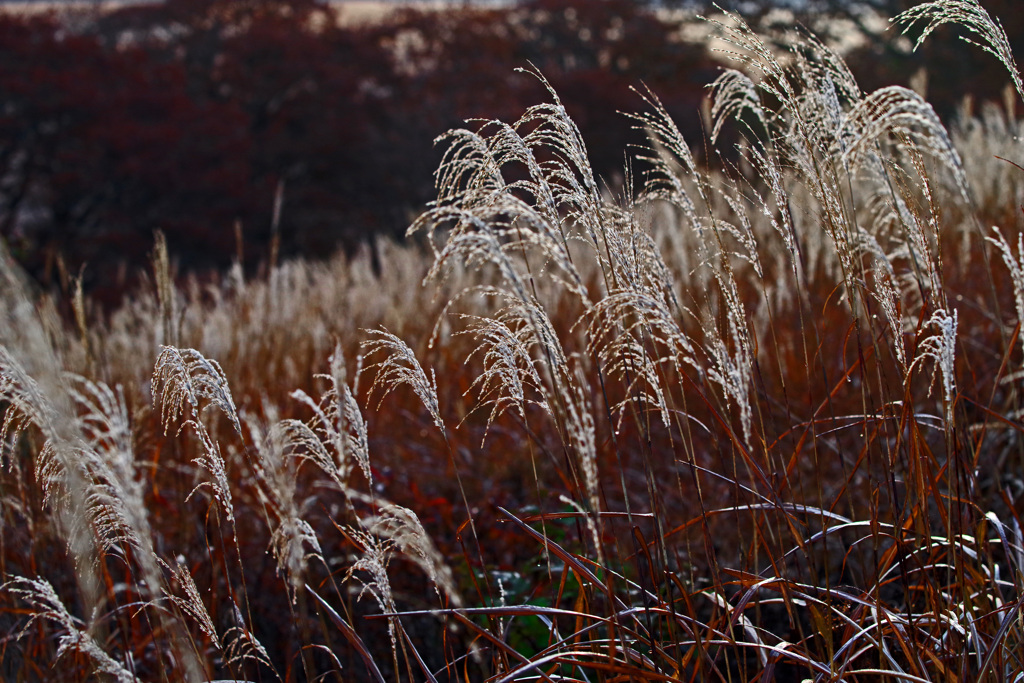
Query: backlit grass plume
(968,14)
(45,604)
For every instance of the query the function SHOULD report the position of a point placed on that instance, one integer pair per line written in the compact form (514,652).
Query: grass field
(759,421)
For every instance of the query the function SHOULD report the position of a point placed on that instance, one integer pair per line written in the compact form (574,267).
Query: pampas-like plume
(496,227)
(183,378)
(375,558)
(400,366)
(732,370)
(668,143)
(941,348)
(62,475)
(212,461)
(276,470)
(750,49)
(741,230)
(897,214)
(634,261)
(402,527)
(563,188)
(241,644)
(905,114)
(972,16)
(291,537)
(621,323)
(44,603)
(192,604)
(887,293)
(563,389)
(812,89)
(1015,264)
(116,497)
(732,95)
(88,471)
(27,404)
(557,202)
(509,379)
(337,422)
(335,440)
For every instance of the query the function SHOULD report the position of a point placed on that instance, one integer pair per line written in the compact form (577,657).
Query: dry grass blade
(349,634)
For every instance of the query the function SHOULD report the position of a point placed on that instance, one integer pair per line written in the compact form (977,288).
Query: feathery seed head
(970,15)
(400,366)
(45,604)
(183,379)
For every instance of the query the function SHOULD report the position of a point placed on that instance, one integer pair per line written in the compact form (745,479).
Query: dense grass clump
(747,423)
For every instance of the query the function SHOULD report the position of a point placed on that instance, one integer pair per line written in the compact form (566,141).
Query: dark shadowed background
(196,117)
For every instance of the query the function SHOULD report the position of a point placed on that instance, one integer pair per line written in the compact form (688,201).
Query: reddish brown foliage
(185,116)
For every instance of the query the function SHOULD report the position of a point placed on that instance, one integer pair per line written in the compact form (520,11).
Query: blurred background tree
(953,68)
(188,116)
